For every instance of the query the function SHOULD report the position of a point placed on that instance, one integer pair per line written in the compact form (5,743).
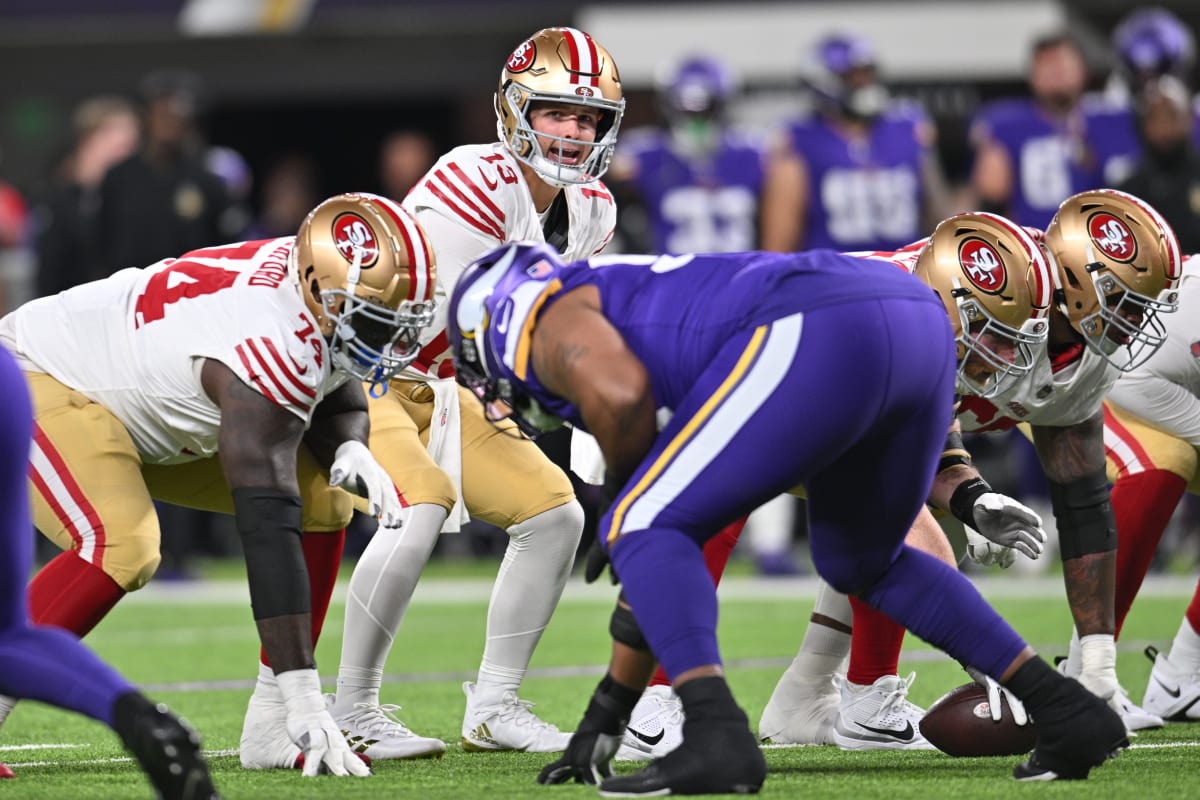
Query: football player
(228,379)
(558,107)
(46,664)
(1105,320)
(729,344)
(860,172)
(1152,437)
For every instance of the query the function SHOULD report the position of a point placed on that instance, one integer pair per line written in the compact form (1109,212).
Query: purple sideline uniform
(1051,160)
(864,196)
(698,205)
(1114,138)
(780,370)
(37,662)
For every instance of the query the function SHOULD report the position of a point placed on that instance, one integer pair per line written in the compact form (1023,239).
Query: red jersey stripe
(289,368)
(475,222)
(497,213)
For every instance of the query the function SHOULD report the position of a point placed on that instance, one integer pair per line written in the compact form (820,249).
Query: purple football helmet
(1151,42)
(844,81)
(484,292)
(698,85)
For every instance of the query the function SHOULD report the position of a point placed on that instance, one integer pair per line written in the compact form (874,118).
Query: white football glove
(995,692)
(1006,522)
(987,553)
(356,470)
(313,730)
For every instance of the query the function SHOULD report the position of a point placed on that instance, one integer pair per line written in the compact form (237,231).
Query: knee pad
(327,508)
(1086,525)
(623,628)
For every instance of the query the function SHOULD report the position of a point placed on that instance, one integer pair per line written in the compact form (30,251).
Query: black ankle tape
(709,699)
(610,707)
(1033,682)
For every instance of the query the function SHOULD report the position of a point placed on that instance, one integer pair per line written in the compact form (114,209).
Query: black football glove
(597,560)
(588,759)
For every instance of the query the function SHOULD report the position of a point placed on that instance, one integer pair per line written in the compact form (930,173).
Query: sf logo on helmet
(982,266)
(352,235)
(522,58)
(1113,237)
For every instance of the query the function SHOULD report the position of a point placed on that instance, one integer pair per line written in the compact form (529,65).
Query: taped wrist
(623,628)
(269,521)
(610,708)
(954,454)
(1084,516)
(962,502)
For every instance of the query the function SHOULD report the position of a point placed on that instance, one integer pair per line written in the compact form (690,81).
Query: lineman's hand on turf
(588,759)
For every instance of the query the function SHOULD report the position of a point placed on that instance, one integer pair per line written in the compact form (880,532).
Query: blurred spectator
(228,165)
(860,172)
(1032,153)
(1149,43)
(404,158)
(290,190)
(692,185)
(14,222)
(104,132)
(163,200)
(1168,174)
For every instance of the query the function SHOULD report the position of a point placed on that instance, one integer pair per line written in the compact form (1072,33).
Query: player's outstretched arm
(257,446)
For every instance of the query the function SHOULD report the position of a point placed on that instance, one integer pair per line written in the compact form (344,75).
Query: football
(960,724)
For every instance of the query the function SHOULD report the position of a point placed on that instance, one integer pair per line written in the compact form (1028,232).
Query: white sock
(381,587)
(532,576)
(1074,656)
(823,648)
(1185,650)
(7,704)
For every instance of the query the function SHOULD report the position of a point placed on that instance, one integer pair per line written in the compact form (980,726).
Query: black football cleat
(716,758)
(1075,732)
(167,749)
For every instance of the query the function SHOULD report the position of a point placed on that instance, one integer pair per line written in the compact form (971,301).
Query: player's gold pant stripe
(693,424)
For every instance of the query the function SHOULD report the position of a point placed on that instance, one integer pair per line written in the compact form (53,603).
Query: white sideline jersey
(135,342)
(1165,391)
(475,199)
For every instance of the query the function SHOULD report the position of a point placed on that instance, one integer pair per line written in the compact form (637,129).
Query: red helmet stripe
(1042,286)
(419,287)
(585,60)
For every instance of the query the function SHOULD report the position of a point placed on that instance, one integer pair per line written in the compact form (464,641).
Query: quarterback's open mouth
(566,155)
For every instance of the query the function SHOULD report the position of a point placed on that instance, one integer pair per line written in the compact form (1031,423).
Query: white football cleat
(508,725)
(265,743)
(801,710)
(1107,688)
(879,717)
(655,726)
(1171,693)
(374,731)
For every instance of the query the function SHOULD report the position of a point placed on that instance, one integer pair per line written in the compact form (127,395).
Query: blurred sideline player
(47,664)
(227,379)
(1150,43)
(1061,398)
(1152,435)
(1032,153)
(861,171)
(602,343)
(558,107)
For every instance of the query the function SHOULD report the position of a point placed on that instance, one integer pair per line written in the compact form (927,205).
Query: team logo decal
(352,234)
(522,58)
(585,91)
(1113,237)
(982,266)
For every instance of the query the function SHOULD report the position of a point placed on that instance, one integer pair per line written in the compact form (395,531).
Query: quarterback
(729,344)
(227,379)
(558,109)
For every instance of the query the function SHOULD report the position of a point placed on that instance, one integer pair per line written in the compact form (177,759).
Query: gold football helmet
(560,65)
(995,282)
(366,272)
(1117,265)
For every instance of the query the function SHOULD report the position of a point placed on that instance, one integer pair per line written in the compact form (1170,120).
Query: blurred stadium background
(319,86)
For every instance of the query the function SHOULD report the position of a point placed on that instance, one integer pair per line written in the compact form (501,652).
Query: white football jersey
(1165,390)
(135,342)
(475,199)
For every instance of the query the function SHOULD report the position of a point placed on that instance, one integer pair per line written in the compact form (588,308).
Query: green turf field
(194,646)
